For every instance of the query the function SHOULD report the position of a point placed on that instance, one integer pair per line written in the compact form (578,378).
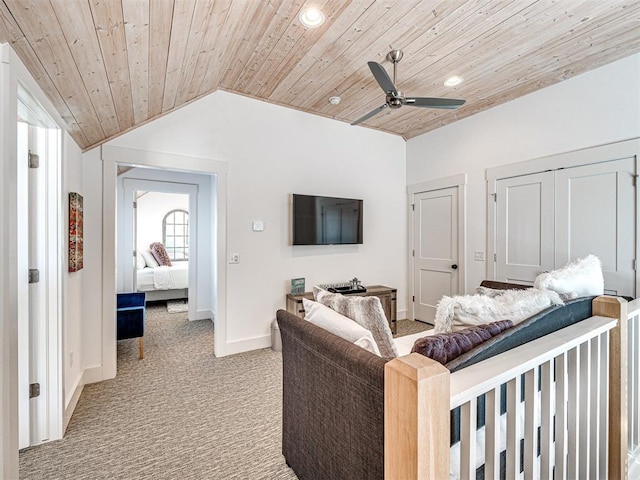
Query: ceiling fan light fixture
(453,81)
(311,17)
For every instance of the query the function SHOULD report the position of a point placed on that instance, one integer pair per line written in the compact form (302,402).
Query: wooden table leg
(141,348)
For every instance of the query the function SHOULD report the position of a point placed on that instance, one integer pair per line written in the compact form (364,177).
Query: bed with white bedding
(163,282)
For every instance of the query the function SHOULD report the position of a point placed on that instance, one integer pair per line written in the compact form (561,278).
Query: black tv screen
(326,220)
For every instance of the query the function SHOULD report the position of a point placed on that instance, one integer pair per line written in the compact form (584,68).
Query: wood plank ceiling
(111,65)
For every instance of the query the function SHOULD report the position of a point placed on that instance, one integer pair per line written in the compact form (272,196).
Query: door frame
(460,182)
(134,184)
(576,158)
(14,76)
(112,155)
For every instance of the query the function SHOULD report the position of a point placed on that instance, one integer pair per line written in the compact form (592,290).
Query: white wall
(92,273)
(72,282)
(598,107)
(272,152)
(152,207)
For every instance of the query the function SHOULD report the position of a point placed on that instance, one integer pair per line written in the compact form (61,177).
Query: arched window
(175,233)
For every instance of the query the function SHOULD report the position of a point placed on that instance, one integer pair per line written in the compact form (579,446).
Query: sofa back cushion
(366,311)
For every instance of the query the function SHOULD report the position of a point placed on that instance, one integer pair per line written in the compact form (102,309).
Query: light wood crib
(581,401)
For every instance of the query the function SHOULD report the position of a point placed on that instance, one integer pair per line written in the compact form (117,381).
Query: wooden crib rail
(591,365)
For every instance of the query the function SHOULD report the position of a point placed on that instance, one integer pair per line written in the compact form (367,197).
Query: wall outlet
(71,358)
(234,258)
(479,256)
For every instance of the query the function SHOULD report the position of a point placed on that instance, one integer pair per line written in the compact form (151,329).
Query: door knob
(454,266)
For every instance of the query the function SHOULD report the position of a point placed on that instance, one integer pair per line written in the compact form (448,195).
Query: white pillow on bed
(339,325)
(149,258)
(140,262)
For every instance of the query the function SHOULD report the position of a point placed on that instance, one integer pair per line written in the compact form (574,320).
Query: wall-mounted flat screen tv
(326,220)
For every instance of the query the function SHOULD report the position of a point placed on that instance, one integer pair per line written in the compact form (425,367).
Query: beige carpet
(179,414)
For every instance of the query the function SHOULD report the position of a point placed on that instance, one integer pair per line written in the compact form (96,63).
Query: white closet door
(595,214)
(436,250)
(525,227)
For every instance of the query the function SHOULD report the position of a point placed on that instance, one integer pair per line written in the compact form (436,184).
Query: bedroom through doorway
(165,245)
(161,246)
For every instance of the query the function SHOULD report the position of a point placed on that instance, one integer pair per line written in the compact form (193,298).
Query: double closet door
(545,220)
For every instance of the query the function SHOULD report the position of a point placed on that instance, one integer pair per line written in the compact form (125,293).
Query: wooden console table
(386,295)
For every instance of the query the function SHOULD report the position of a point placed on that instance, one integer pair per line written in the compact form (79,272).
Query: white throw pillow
(582,277)
(140,262)
(457,313)
(339,325)
(149,258)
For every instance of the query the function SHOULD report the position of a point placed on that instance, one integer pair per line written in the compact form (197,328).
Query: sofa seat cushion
(339,325)
(367,312)
(445,347)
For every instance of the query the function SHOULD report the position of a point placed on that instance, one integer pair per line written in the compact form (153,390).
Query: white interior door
(33,338)
(436,255)
(595,214)
(525,227)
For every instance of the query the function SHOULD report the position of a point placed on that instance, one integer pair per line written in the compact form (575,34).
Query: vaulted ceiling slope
(111,65)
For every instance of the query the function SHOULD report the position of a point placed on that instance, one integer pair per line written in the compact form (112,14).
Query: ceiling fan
(394,97)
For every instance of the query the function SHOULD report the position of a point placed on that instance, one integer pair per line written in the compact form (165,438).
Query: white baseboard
(206,314)
(401,314)
(68,411)
(93,375)
(248,344)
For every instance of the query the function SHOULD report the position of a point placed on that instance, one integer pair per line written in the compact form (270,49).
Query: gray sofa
(333,392)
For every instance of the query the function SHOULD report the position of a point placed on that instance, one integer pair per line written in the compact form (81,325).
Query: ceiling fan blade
(427,102)
(370,114)
(382,77)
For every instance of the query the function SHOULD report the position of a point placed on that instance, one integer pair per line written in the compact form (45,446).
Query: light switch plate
(479,256)
(234,258)
(258,226)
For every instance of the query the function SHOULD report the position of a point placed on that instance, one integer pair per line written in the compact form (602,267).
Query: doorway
(111,156)
(437,244)
(152,209)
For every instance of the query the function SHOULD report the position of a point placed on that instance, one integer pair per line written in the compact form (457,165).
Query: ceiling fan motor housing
(395,100)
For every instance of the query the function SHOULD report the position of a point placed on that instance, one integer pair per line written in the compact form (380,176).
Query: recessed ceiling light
(311,17)
(453,81)
(334,100)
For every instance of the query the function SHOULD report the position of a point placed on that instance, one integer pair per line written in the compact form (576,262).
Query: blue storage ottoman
(130,314)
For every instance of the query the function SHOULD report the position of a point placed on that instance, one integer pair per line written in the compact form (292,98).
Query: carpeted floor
(180,413)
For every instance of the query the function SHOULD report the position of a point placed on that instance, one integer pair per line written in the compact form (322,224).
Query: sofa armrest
(333,404)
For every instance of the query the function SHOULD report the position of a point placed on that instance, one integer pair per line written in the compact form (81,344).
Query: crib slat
(604,406)
(468,422)
(584,416)
(634,384)
(546,421)
(492,435)
(573,426)
(530,425)
(561,364)
(594,412)
(513,427)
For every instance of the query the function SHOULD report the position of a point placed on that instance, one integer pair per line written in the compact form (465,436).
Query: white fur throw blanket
(580,278)
(457,313)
